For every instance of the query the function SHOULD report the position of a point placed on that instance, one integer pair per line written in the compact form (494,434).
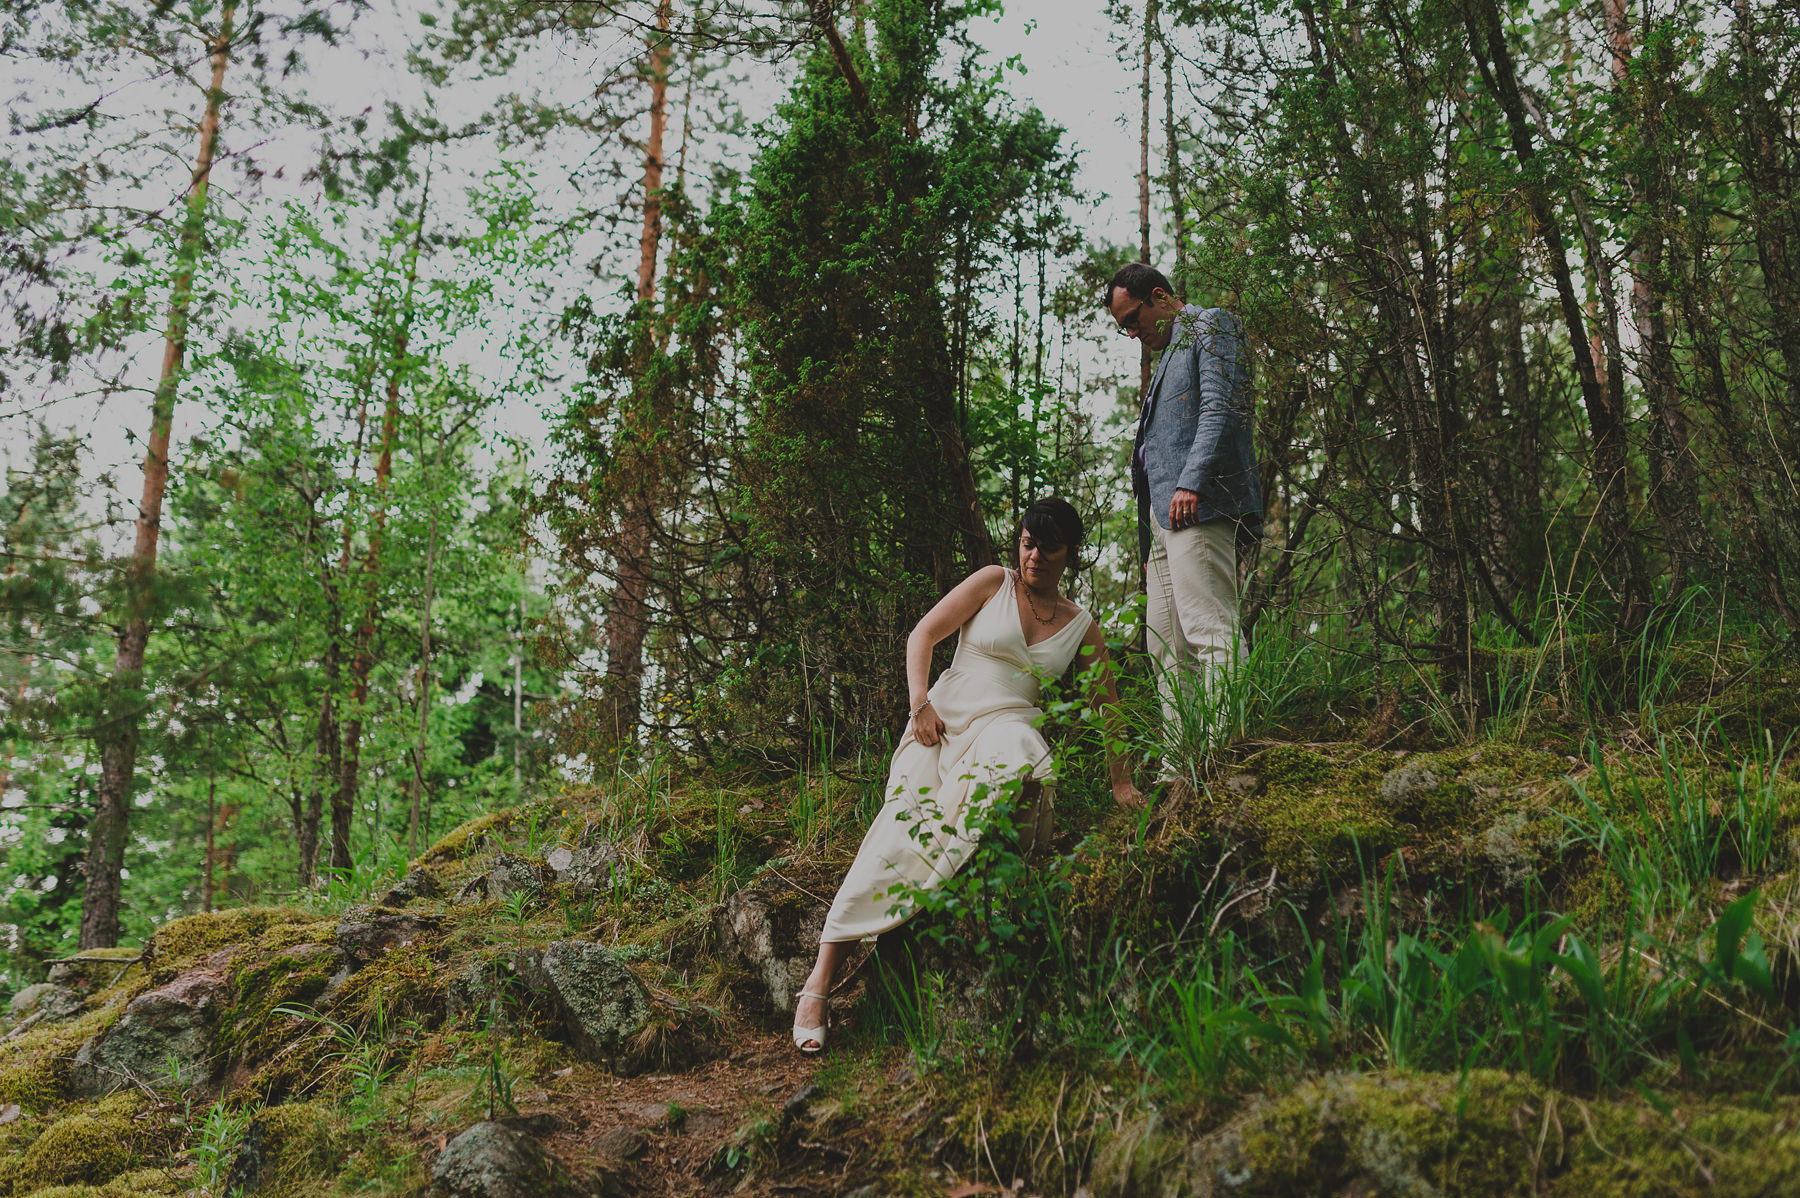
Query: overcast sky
(1070,71)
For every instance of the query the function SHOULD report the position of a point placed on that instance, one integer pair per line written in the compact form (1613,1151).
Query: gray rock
(774,930)
(471,990)
(472,891)
(799,1100)
(417,884)
(163,1031)
(491,1160)
(1400,784)
(510,875)
(1242,785)
(601,1003)
(650,1114)
(52,1002)
(364,933)
(622,1143)
(588,871)
(559,859)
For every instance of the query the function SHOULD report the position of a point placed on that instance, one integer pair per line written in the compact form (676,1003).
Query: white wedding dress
(988,702)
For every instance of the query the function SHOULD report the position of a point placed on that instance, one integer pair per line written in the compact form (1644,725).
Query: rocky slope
(588,995)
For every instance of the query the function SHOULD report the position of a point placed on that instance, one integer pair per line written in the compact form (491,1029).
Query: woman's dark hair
(1052,522)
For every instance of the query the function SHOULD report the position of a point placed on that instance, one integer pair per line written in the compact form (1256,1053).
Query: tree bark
(1606,422)
(117,739)
(628,615)
(1674,490)
(1145,358)
(1177,200)
(362,658)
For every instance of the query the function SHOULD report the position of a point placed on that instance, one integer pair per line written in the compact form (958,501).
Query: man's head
(1144,305)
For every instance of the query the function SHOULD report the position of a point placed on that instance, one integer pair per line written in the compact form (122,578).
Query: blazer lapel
(1150,395)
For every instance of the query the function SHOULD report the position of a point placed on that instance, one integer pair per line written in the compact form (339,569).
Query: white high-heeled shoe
(811,1039)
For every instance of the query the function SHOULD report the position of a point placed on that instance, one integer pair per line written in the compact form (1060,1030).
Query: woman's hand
(1128,796)
(927,726)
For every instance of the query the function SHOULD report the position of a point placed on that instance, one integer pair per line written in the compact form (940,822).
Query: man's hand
(1183,508)
(1128,796)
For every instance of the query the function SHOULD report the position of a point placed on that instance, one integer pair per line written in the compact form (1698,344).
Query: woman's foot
(812,1015)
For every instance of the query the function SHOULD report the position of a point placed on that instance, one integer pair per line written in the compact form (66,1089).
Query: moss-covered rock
(139,1183)
(92,1146)
(34,1069)
(294,976)
(469,838)
(1483,1135)
(181,943)
(284,1145)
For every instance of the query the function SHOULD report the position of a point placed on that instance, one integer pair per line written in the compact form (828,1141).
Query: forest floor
(1364,952)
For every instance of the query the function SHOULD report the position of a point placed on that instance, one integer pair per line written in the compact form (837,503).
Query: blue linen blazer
(1195,430)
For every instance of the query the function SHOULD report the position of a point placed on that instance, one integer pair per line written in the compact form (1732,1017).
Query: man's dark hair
(1138,280)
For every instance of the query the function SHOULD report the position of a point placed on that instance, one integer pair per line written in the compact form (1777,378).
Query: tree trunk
(1674,491)
(362,659)
(1771,200)
(118,737)
(1177,200)
(628,615)
(1606,423)
(418,790)
(1144,355)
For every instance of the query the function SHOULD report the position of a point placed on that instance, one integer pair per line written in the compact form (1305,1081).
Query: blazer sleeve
(1218,347)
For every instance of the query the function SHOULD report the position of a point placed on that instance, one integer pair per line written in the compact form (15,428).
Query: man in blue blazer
(1193,470)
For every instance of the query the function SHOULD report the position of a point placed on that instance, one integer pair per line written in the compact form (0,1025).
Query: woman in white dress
(976,725)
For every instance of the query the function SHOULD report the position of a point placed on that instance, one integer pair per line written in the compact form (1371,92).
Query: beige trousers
(1192,613)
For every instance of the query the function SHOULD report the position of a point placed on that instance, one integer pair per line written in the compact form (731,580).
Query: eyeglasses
(1128,326)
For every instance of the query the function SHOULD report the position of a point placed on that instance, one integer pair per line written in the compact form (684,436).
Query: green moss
(35,1067)
(1483,1135)
(1312,814)
(145,1181)
(288,1145)
(93,1146)
(461,841)
(294,975)
(408,982)
(139,1183)
(180,944)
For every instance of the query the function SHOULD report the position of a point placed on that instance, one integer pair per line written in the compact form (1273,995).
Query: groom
(1194,473)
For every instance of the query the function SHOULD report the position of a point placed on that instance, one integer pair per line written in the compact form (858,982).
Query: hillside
(1556,959)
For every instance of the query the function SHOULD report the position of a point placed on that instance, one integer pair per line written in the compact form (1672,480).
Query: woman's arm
(1105,700)
(950,613)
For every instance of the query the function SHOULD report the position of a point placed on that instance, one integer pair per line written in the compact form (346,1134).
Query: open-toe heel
(811,1039)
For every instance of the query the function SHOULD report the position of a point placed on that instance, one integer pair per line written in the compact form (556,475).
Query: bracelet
(919,708)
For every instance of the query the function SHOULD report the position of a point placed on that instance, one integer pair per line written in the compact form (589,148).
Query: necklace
(1049,619)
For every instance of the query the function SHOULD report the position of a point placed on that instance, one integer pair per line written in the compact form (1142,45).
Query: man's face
(1151,321)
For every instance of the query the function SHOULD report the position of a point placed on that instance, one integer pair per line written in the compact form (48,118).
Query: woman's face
(1041,565)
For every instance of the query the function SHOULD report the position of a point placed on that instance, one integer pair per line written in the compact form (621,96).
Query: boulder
(601,1003)
(417,884)
(364,933)
(169,1030)
(491,1160)
(47,1000)
(586,871)
(774,930)
(282,1144)
(511,874)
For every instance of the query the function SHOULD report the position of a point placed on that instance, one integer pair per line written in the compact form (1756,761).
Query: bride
(974,727)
